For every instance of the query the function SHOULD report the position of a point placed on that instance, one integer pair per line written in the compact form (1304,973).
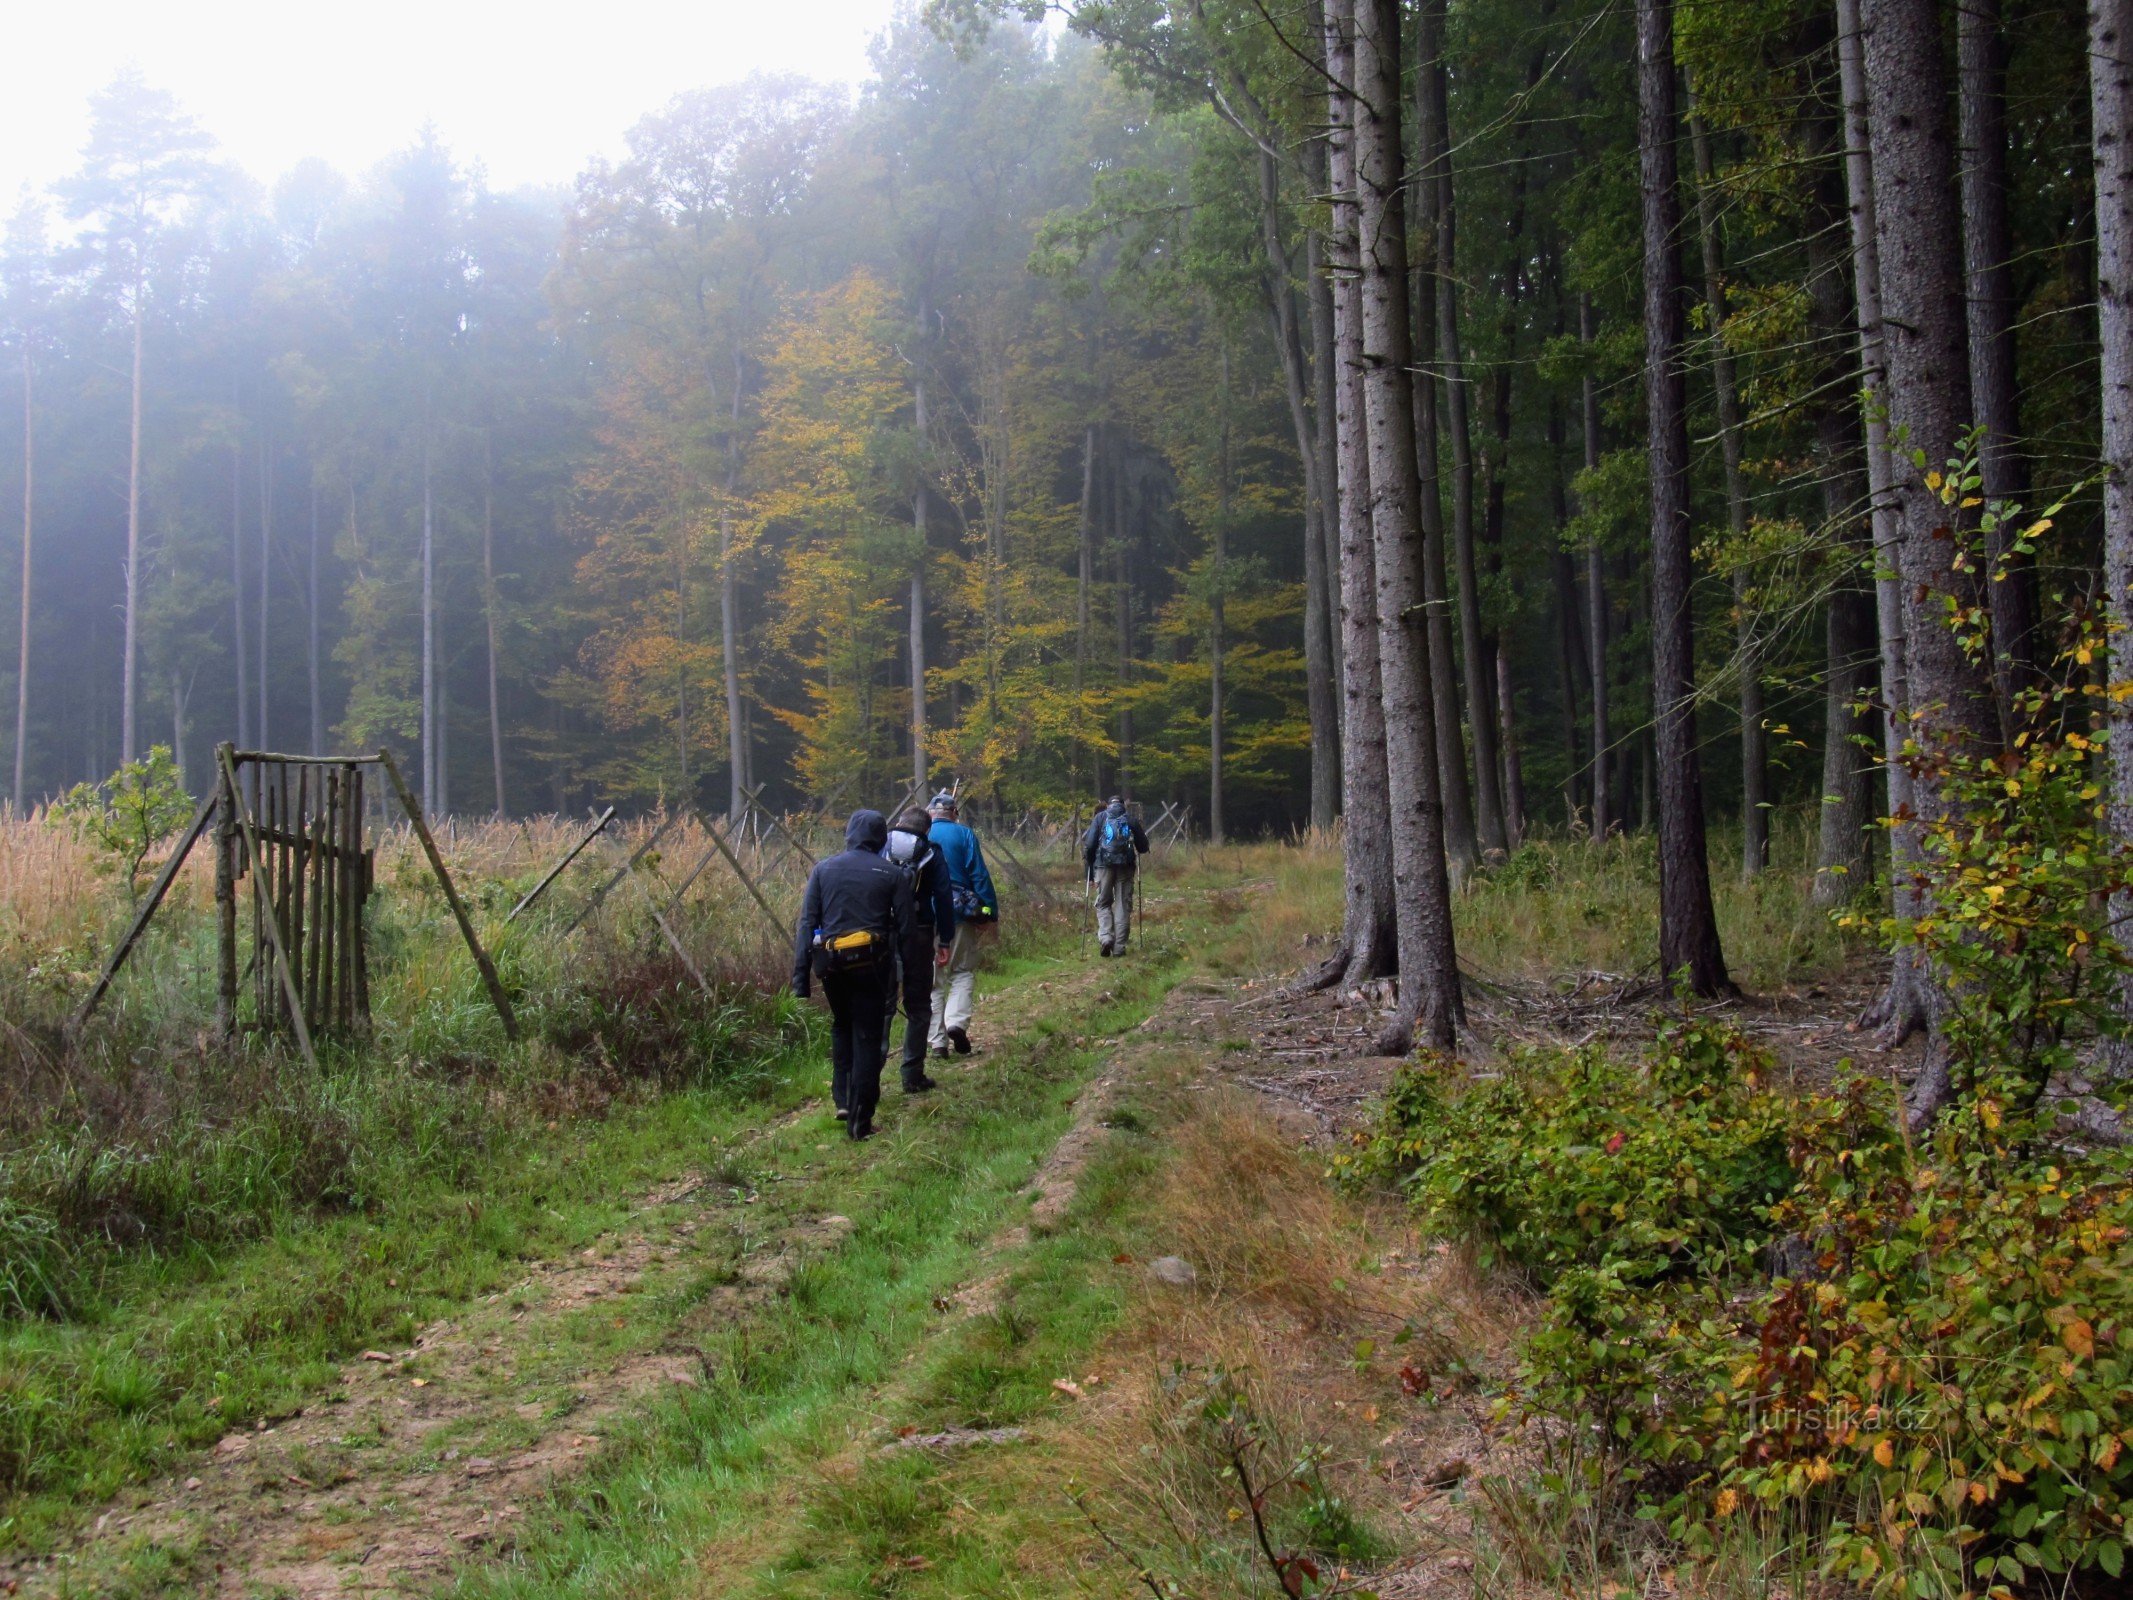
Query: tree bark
(1321,704)
(1754,739)
(488,612)
(1461,849)
(1084,577)
(128,746)
(266,581)
(1918,230)
(1217,643)
(2111,103)
(1901,1008)
(1429,974)
(1459,428)
(740,772)
(1988,268)
(1369,942)
(1596,606)
(920,766)
(311,651)
(237,596)
(1688,927)
(1324,362)
(22,646)
(429,622)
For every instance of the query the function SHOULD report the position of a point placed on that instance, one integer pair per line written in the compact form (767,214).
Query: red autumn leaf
(1614,1144)
(1414,1380)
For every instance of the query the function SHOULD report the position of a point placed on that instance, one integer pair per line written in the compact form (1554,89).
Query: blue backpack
(1114,846)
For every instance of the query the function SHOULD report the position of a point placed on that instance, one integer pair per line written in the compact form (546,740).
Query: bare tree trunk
(1429,972)
(1322,705)
(739,759)
(1569,647)
(237,595)
(488,612)
(128,745)
(1988,261)
(1596,629)
(1754,740)
(429,620)
(1952,716)
(1461,849)
(1688,927)
(1084,577)
(1480,691)
(22,646)
(318,703)
(1369,942)
(920,766)
(1514,768)
(1901,1008)
(266,581)
(1324,362)
(2111,102)
(1217,643)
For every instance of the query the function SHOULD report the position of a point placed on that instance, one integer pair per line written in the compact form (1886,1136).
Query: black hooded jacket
(853,891)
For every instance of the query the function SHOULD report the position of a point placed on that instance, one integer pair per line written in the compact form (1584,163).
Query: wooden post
(139,925)
(777,924)
(281,955)
(755,804)
(600,894)
(451,894)
(541,888)
(225,901)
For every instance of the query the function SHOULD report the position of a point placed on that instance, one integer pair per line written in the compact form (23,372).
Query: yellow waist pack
(848,951)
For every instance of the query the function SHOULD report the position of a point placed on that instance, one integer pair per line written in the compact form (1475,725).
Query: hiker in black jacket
(853,923)
(932,930)
(1112,851)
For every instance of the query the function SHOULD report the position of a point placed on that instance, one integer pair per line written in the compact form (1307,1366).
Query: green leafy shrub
(1570,1159)
(129,813)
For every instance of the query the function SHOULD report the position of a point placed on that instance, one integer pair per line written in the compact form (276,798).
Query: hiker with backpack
(853,923)
(977,916)
(1111,851)
(911,851)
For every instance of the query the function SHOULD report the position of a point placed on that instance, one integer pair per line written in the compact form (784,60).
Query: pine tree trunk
(1901,1008)
(488,614)
(1322,707)
(2111,102)
(920,766)
(1988,266)
(128,747)
(1919,232)
(1604,820)
(429,618)
(1324,361)
(239,623)
(1754,740)
(311,643)
(1429,974)
(1569,646)
(1461,848)
(1459,428)
(1084,577)
(739,759)
(22,645)
(266,583)
(1217,642)
(1369,941)
(1688,927)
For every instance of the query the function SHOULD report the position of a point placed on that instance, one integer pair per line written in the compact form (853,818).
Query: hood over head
(868,830)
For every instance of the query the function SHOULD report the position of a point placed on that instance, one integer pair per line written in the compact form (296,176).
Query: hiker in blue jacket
(977,915)
(1112,851)
(932,936)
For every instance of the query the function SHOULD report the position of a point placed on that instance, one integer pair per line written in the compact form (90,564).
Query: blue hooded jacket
(966,864)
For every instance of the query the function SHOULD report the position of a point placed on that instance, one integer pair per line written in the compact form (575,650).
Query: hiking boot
(960,1039)
(861,1130)
(1105,949)
(940,1052)
(919,1085)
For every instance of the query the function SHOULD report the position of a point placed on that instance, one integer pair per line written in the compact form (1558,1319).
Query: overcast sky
(529,89)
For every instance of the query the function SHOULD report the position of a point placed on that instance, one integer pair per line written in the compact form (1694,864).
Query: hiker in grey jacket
(1111,851)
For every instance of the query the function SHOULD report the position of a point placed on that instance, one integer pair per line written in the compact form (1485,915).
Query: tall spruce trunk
(1324,361)
(2111,103)
(1604,820)
(429,621)
(22,642)
(1369,941)
(312,631)
(1480,684)
(1084,578)
(1688,927)
(920,765)
(239,624)
(1217,640)
(488,614)
(1429,1001)
(740,775)
(1754,739)
(1321,705)
(128,746)
(1918,230)
(266,580)
(1461,848)
(1901,1008)
(1988,271)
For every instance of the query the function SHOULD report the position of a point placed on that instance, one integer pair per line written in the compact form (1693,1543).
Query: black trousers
(918,1002)
(859,1036)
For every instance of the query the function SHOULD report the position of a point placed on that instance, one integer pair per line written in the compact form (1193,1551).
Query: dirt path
(419,1458)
